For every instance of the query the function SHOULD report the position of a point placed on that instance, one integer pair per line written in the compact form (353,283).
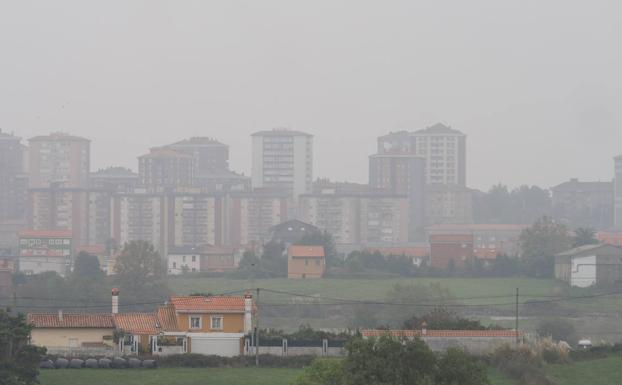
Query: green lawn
(372,289)
(497,378)
(177,376)
(606,371)
(187,376)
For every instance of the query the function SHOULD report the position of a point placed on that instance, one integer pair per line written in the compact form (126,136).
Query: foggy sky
(535,85)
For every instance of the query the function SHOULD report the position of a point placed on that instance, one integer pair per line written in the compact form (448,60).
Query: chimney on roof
(248,312)
(115,300)
(60,315)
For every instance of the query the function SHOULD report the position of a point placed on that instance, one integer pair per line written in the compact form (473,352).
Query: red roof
(440,333)
(137,323)
(45,233)
(167,318)
(203,304)
(53,320)
(306,251)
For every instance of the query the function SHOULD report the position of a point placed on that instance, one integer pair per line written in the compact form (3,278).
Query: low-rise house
(7,268)
(589,265)
(305,262)
(218,259)
(194,324)
(63,333)
(214,324)
(184,259)
(474,341)
(42,251)
(450,250)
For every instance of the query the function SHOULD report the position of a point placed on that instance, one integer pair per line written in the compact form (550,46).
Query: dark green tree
(19,361)
(459,368)
(539,244)
(442,319)
(140,271)
(87,265)
(387,361)
(322,371)
(584,236)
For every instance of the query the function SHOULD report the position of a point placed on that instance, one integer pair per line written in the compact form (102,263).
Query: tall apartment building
(140,216)
(283,161)
(254,214)
(618,192)
(13,179)
(119,179)
(197,219)
(358,218)
(584,204)
(59,159)
(60,209)
(448,203)
(400,173)
(444,150)
(210,156)
(163,169)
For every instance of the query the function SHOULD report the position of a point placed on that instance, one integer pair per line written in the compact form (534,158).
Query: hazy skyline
(536,86)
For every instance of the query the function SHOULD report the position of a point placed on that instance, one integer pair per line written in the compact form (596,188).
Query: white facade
(42,264)
(283,159)
(444,151)
(583,271)
(181,263)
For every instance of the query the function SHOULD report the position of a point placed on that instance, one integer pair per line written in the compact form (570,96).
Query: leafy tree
(539,244)
(560,329)
(442,319)
(521,205)
(87,265)
(388,361)
(584,236)
(322,371)
(140,271)
(18,360)
(459,368)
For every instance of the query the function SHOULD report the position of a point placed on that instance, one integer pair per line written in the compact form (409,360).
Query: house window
(73,342)
(216,322)
(195,322)
(183,258)
(317,262)
(194,258)
(174,265)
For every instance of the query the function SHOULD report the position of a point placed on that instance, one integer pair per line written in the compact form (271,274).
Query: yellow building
(305,262)
(66,332)
(214,324)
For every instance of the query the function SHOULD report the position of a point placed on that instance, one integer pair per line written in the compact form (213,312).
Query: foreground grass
(606,371)
(170,376)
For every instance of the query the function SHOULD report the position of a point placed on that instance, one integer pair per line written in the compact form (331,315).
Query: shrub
(322,371)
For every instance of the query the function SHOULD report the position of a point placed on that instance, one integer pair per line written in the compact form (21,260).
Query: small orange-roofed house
(214,324)
(305,262)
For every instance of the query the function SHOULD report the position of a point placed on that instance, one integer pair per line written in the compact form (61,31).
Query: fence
(285,347)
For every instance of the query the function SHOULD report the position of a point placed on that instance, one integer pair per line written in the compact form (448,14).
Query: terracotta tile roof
(306,251)
(202,304)
(167,318)
(441,333)
(53,320)
(45,233)
(137,323)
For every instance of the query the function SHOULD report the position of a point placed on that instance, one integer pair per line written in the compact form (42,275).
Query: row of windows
(216,322)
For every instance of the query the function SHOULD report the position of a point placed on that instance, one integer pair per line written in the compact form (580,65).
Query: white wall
(176,263)
(583,271)
(38,265)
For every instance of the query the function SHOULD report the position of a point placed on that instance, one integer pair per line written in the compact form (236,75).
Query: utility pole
(516,314)
(257,330)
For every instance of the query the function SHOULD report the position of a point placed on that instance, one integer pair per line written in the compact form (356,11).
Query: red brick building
(450,247)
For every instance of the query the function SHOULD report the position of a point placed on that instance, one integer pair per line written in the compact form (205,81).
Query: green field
(177,376)
(606,371)
(503,289)
(186,376)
